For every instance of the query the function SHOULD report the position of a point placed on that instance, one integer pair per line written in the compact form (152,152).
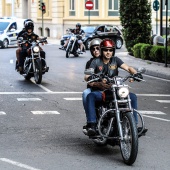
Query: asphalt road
(41,125)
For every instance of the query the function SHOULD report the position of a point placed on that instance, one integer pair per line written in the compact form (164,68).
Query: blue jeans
(84,96)
(96,96)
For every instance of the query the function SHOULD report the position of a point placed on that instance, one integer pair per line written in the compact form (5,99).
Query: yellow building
(62,14)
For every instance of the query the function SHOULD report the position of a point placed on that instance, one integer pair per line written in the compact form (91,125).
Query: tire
(129,146)
(5,43)
(38,71)
(119,43)
(87,44)
(68,52)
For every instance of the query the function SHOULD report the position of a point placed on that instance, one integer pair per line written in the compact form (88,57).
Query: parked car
(9,29)
(100,31)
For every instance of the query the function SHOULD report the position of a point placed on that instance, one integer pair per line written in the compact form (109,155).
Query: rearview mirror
(141,70)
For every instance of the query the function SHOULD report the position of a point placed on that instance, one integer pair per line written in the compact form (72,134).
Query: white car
(9,29)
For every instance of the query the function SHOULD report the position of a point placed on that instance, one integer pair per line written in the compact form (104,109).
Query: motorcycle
(115,121)
(73,45)
(34,65)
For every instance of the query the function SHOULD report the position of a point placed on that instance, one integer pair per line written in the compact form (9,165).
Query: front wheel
(38,71)
(129,145)
(68,51)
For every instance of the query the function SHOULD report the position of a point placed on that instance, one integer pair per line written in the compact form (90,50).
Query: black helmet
(27,21)
(29,25)
(78,25)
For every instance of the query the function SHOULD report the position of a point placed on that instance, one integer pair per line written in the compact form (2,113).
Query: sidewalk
(152,68)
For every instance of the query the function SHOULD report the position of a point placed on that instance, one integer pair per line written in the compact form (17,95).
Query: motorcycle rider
(77,31)
(107,64)
(31,36)
(19,47)
(95,52)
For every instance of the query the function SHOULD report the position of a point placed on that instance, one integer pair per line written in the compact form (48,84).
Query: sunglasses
(106,50)
(95,48)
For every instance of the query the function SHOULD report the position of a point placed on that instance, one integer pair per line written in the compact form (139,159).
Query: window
(164,8)
(94,11)
(72,8)
(113,8)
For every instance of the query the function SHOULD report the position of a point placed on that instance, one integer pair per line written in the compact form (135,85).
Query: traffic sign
(156,5)
(89,5)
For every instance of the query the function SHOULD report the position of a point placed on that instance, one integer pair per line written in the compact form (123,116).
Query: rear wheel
(129,146)
(38,71)
(68,51)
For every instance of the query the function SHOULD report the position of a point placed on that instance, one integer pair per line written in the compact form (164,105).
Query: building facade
(63,14)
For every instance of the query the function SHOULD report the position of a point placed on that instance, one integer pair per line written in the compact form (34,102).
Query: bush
(145,51)
(137,50)
(157,53)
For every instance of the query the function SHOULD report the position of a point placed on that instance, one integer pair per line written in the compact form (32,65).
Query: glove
(100,85)
(138,75)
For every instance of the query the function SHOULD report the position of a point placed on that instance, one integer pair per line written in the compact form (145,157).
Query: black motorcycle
(34,65)
(73,46)
(115,121)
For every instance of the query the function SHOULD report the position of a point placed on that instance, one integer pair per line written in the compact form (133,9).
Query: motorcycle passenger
(31,36)
(95,52)
(19,47)
(77,31)
(107,64)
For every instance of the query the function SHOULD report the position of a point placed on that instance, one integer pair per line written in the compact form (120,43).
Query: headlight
(123,92)
(36,49)
(72,38)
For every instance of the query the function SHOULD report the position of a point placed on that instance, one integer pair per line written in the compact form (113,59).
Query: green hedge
(150,52)
(136,50)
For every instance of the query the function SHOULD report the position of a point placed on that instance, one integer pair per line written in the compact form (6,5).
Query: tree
(135,17)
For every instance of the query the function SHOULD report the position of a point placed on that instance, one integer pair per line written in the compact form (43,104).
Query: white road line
(28,99)
(72,98)
(151,112)
(2,113)
(11,61)
(163,101)
(18,164)
(41,92)
(41,86)
(157,78)
(44,112)
(154,95)
(166,120)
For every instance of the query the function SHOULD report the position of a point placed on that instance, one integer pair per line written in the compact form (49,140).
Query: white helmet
(94,42)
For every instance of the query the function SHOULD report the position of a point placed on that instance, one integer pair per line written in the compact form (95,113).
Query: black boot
(91,129)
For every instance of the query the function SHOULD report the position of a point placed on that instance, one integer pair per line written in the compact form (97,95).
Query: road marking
(28,99)
(41,86)
(163,101)
(11,61)
(2,113)
(154,95)
(157,78)
(44,112)
(41,92)
(166,120)
(151,112)
(18,164)
(73,98)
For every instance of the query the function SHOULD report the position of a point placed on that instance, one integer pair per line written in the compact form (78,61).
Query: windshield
(3,25)
(88,29)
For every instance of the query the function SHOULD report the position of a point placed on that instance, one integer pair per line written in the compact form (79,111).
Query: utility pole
(166,49)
